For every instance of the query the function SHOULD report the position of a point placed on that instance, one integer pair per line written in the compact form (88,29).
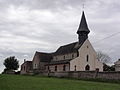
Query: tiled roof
(29,63)
(83,24)
(59,62)
(69,48)
(44,57)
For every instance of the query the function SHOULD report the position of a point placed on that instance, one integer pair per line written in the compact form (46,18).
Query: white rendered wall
(80,62)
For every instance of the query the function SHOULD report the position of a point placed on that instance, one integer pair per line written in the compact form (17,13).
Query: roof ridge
(68,44)
(43,52)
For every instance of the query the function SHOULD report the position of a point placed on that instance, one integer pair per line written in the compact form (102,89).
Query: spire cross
(83,5)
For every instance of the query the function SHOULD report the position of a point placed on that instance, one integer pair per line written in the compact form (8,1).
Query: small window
(48,68)
(64,67)
(87,58)
(87,47)
(75,68)
(35,65)
(77,54)
(21,68)
(55,68)
(97,69)
(64,57)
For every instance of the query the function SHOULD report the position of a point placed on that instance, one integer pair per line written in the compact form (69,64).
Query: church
(76,56)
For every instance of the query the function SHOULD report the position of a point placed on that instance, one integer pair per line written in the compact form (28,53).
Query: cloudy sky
(27,26)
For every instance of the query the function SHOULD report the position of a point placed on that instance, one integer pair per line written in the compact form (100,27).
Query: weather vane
(83,6)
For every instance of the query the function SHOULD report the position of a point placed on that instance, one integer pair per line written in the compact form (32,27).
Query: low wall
(85,74)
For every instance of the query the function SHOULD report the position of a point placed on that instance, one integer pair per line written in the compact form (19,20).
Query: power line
(112,35)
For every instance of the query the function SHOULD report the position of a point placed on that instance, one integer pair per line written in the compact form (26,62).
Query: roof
(117,62)
(59,62)
(29,63)
(69,48)
(66,49)
(44,57)
(83,25)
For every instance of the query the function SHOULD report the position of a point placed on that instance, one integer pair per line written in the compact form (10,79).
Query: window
(72,55)
(87,68)
(97,69)
(48,68)
(55,68)
(35,65)
(77,54)
(75,68)
(64,57)
(21,68)
(64,68)
(87,58)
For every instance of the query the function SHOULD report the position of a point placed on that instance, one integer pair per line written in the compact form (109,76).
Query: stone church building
(76,56)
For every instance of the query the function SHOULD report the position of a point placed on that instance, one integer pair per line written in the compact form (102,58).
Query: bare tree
(103,57)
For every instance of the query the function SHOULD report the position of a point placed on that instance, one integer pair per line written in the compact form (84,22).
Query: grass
(17,82)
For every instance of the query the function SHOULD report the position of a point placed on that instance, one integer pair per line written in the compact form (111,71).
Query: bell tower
(83,29)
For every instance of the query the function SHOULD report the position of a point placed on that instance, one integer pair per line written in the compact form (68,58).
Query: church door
(87,68)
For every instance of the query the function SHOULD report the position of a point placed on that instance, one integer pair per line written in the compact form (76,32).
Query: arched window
(55,68)
(21,68)
(48,68)
(75,68)
(35,65)
(64,68)
(87,47)
(87,68)
(87,58)
(77,54)
(64,57)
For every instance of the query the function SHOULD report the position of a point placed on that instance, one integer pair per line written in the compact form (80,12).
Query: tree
(103,57)
(11,63)
(108,68)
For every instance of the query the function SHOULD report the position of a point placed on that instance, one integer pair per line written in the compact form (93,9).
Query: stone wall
(59,67)
(65,56)
(85,74)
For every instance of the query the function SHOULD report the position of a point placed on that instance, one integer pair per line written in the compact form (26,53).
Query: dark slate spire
(83,29)
(83,25)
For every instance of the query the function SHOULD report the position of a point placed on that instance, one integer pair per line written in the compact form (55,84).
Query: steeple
(83,29)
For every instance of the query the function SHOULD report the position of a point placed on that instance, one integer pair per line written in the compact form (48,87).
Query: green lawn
(16,82)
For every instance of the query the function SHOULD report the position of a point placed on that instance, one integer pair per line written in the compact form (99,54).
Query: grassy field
(16,82)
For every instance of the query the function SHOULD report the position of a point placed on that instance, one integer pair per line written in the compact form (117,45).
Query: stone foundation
(85,74)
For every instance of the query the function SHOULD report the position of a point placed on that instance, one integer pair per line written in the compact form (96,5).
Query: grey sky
(27,26)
